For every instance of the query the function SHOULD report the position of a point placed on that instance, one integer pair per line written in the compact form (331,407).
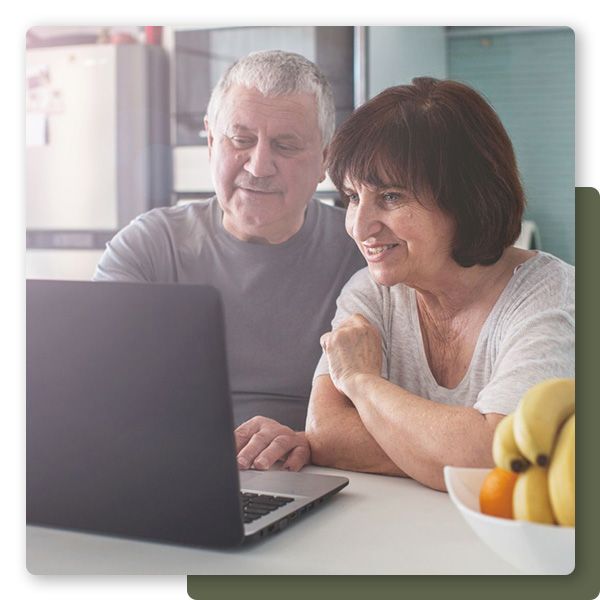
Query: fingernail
(242,463)
(260,464)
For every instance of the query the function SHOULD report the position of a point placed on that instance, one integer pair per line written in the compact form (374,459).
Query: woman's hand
(354,348)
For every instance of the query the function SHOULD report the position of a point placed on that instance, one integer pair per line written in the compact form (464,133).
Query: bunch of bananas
(537,441)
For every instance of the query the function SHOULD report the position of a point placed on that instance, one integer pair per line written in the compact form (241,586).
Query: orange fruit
(496,493)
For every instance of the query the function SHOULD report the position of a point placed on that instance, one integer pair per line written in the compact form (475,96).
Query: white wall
(397,54)
(61,264)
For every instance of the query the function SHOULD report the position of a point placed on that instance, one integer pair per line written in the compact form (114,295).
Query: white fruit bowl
(532,548)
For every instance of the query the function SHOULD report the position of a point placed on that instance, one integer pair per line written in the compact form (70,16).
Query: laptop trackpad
(291,483)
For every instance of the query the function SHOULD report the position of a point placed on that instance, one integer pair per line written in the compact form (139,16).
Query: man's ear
(209,136)
(323,164)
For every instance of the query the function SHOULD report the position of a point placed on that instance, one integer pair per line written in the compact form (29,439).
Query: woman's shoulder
(361,288)
(361,283)
(547,275)
(361,280)
(543,285)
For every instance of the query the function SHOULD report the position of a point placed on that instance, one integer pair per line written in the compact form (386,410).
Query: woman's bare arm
(338,437)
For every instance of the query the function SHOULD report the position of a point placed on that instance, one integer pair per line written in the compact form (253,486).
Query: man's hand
(260,442)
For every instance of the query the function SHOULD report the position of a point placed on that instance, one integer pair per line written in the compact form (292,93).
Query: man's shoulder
(330,236)
(183,219)
(328,212)
(329,223)
(179,212)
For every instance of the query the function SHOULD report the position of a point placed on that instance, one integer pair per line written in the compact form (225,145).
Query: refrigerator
(97,150)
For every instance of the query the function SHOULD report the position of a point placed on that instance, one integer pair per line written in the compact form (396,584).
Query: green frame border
(583,583)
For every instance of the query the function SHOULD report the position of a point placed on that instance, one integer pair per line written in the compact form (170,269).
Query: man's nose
(261,162)
(366,222)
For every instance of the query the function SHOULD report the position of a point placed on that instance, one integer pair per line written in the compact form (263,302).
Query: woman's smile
(377,252)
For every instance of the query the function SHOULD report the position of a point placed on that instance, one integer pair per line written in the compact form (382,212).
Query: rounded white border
(17,583)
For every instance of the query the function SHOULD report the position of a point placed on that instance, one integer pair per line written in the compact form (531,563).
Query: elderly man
(278,256)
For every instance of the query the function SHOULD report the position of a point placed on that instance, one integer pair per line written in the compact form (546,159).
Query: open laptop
(130,423)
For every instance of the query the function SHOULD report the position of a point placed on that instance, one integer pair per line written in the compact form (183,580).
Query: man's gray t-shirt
(528,336)
(278,299)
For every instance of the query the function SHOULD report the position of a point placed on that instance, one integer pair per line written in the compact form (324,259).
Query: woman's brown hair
(438,139)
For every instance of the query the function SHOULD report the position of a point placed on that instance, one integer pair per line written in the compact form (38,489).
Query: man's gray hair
(278,73)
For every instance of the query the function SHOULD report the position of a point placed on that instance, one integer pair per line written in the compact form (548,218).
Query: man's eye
(241,141)
(352,198)
(287,148)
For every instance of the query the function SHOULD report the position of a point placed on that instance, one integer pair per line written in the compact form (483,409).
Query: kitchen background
(114,117)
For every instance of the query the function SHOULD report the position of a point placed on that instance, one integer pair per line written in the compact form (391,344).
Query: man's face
(266,159)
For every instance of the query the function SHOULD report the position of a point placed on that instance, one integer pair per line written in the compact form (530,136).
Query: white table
(375,526)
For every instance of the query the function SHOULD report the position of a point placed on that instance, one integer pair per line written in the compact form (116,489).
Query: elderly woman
(450,324)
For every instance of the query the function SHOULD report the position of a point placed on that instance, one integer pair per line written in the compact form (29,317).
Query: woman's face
(404,240)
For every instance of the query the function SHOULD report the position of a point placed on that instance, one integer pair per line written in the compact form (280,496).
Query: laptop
(130,423)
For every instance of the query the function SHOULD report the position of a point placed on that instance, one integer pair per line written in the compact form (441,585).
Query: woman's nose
(261,161)
(365,221)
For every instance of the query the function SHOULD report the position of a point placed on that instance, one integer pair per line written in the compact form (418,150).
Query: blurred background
(114,117)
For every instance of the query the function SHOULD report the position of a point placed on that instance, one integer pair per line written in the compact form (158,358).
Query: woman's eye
(391,197)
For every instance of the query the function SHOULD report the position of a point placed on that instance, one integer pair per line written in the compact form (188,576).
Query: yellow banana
(539,416)
(505,451)
(561,475)
(531,500)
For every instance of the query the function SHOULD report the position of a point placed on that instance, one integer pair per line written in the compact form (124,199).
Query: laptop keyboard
(259,505)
